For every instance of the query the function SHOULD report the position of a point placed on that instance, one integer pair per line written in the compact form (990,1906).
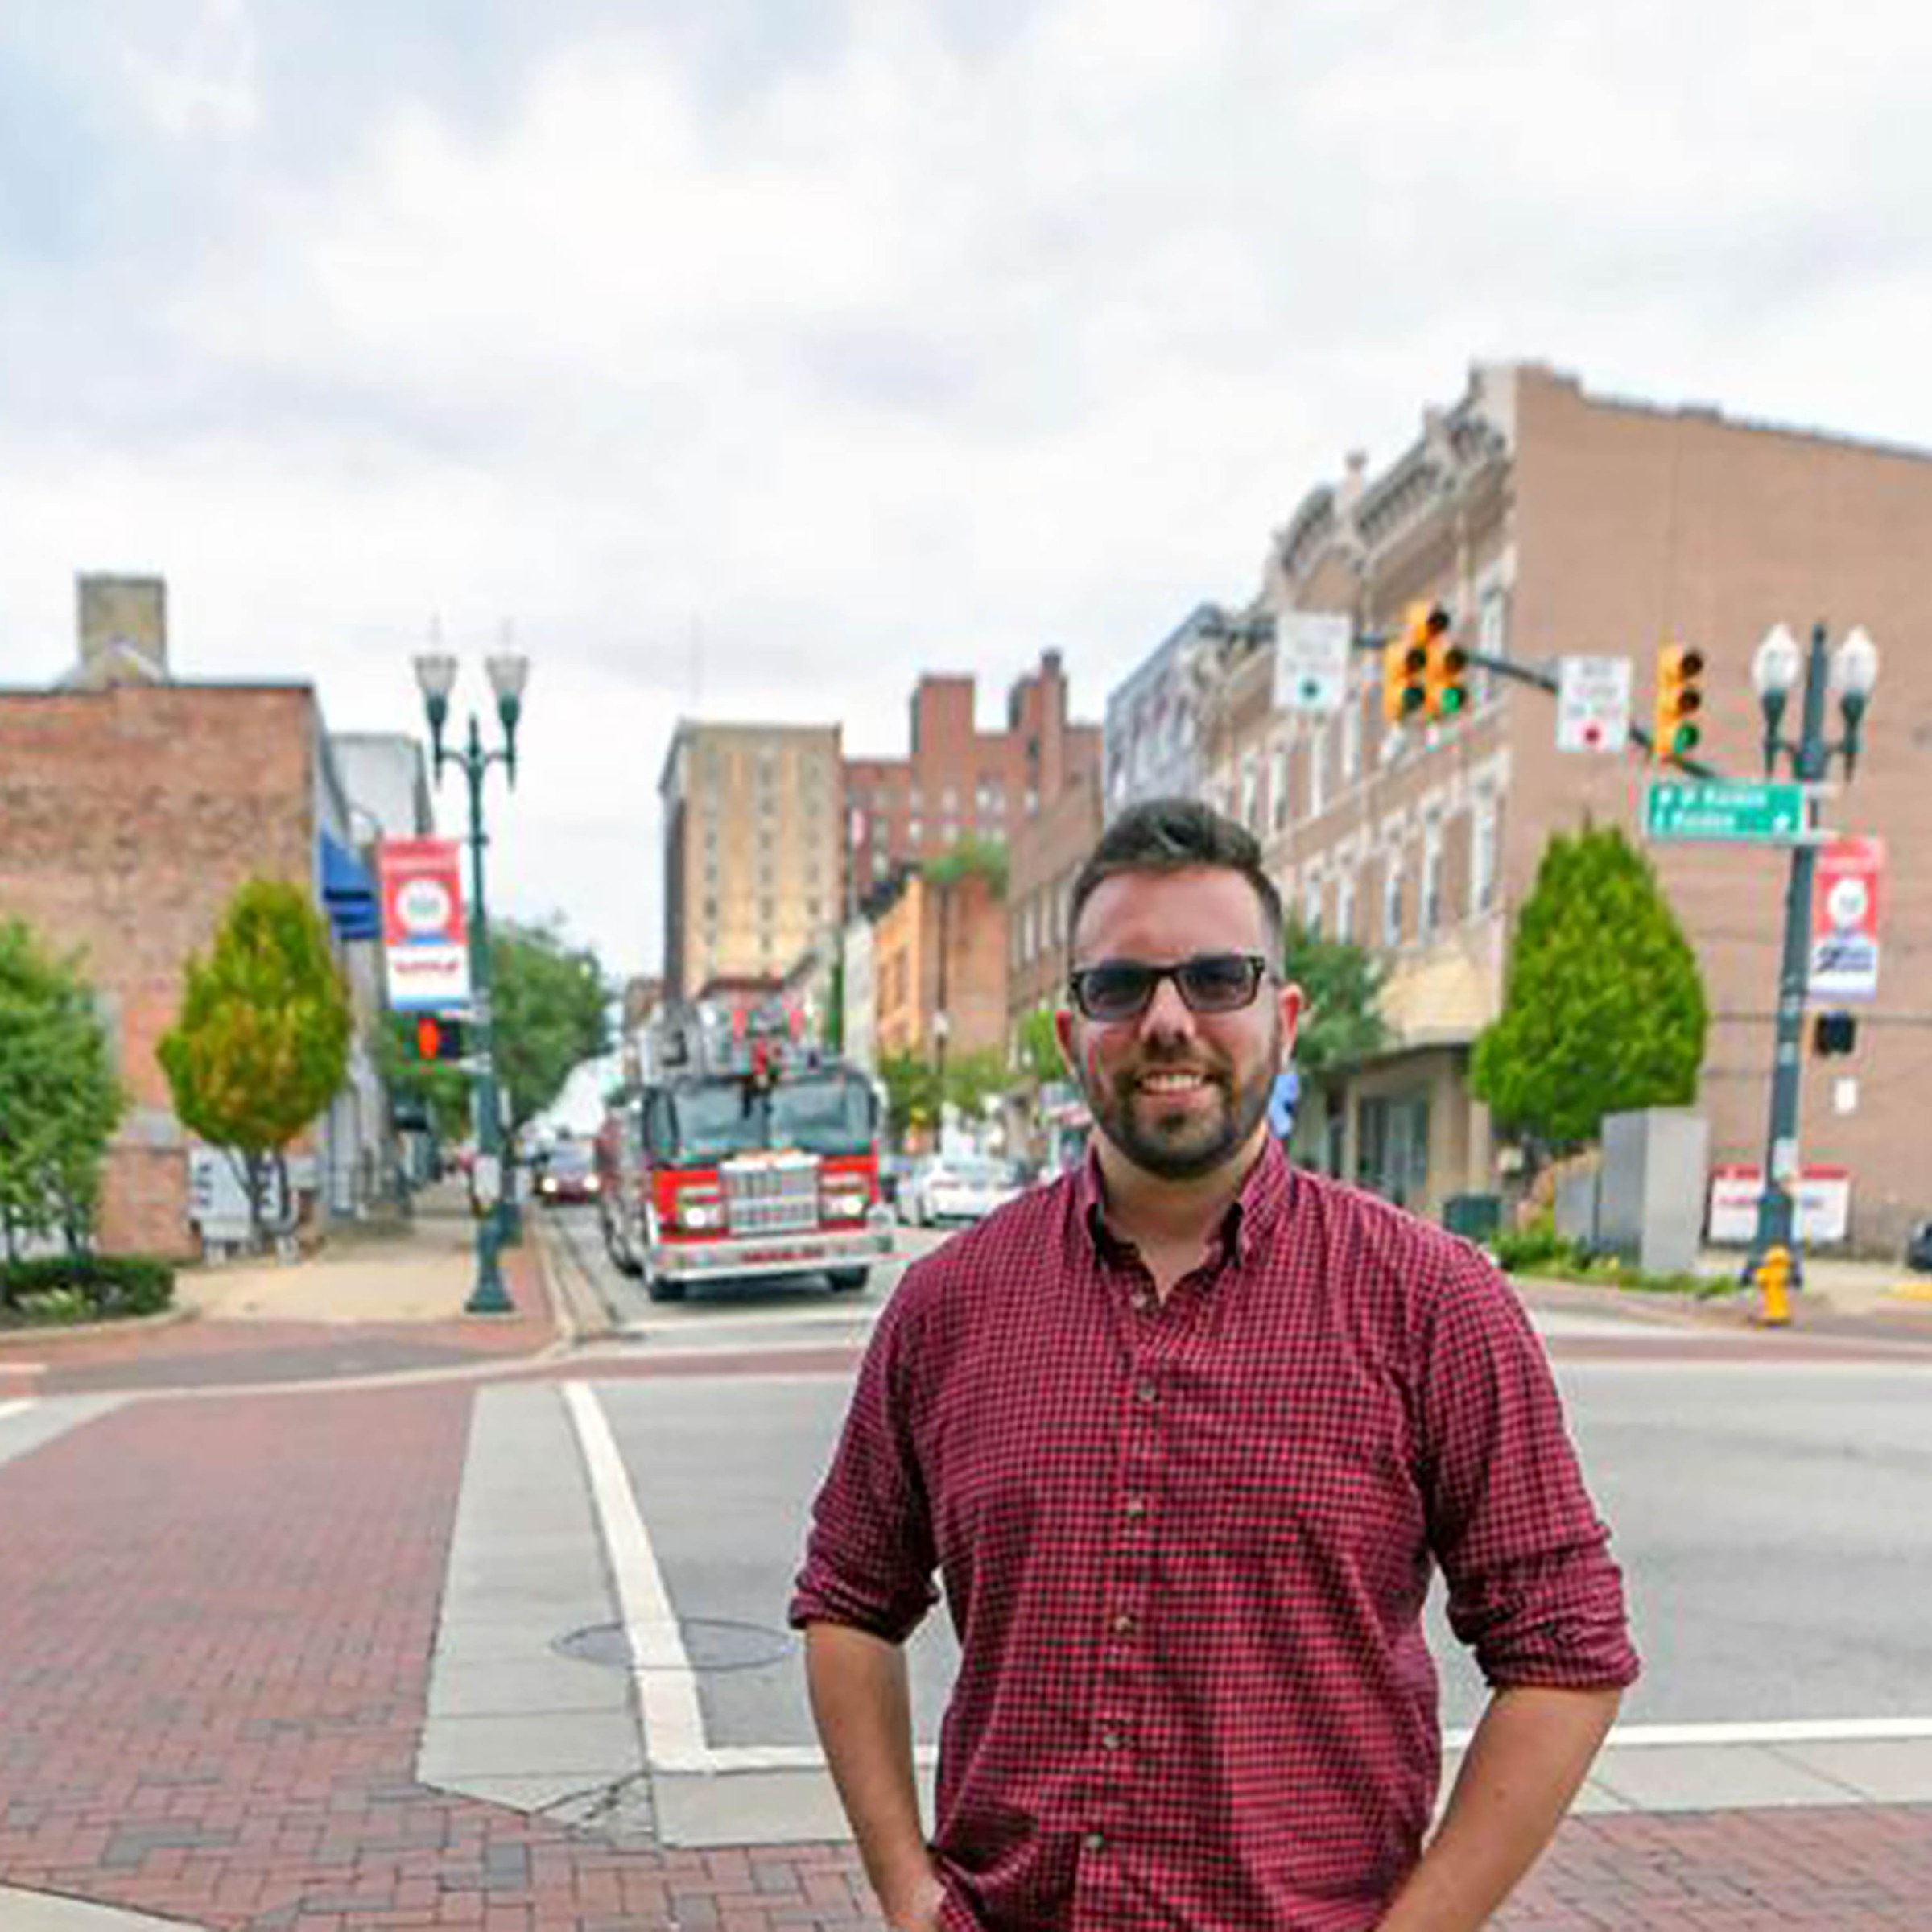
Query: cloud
(754,357)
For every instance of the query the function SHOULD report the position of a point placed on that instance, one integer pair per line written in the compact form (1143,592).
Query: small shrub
(85,1287)
(1536,1244)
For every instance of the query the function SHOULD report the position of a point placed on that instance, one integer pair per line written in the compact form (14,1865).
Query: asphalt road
(1771,1519)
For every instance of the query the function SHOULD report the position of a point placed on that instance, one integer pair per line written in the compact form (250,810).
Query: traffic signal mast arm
(1261,630)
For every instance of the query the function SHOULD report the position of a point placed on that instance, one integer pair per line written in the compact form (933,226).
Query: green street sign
(1767,814)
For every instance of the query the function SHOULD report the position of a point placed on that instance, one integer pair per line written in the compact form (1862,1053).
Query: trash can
(1476,1217)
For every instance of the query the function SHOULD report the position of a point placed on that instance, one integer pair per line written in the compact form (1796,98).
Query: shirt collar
(1252,1216)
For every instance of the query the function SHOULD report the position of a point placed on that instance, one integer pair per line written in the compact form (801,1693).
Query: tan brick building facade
(1044,864)
(128,817)
(1552,521)
(753,876)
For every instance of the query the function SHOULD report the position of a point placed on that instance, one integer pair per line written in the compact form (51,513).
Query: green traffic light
(1451,701)
(1685,739)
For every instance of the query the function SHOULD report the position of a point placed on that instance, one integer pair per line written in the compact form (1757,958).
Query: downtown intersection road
(312,1628)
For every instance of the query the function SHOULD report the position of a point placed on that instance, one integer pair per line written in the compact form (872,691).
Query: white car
(956,1187)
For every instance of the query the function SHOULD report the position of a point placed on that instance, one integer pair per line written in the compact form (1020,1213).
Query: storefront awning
(349,894)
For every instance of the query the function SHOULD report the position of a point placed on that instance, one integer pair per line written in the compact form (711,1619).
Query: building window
(1278,787)
(1351,737)
(914,831)
(1251,787)
(949,799)
(1482,856)
(1311,903)
(1344,904)
(1391,899)
(1318,772)
(1428,912)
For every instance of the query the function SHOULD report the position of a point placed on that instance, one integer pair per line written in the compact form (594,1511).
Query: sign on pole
(1311,650)
(1845,920)
(1593,704)
(1716,809)
(425,945)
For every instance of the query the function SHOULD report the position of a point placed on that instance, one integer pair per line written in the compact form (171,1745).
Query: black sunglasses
(1210,982)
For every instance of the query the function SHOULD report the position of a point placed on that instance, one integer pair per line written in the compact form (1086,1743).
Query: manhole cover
(710,1643)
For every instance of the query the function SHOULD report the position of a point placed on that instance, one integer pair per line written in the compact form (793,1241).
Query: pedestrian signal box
(1834,1033)
(1677,729)
(436,1037)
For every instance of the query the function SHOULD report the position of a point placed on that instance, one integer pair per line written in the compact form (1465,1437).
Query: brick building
(1039,896)
(1550,520)
(131,807)
(940,969)
(961,782)
(753,873)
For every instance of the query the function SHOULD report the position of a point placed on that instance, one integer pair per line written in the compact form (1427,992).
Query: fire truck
(742,1154)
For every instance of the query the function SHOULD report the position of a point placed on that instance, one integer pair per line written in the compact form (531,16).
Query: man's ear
(1291,999)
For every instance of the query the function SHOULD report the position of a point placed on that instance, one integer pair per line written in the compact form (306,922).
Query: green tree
(1603,1008)
(832,1032)
(551,1004)
(1039,1047)
(973,1079)
(912,1093)
(1340,1025)
(59,1100)
(970,857)
(261,1043)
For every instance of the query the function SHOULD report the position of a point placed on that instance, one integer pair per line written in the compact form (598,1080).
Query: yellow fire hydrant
(1774,1282)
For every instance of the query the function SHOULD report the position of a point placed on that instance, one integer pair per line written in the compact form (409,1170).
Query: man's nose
(1168,1015)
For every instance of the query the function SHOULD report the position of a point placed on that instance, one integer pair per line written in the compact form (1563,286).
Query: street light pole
(1851,674)
(436,675)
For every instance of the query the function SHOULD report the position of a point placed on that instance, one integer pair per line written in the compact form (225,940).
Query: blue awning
(349,894)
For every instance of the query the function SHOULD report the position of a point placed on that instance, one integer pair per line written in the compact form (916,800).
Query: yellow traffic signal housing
(1447,695)
(1677,729)
(1405,668)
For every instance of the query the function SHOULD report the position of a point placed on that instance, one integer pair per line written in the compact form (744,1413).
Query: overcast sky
(752,355)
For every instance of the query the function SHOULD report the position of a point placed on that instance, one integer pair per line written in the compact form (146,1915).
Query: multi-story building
(958,781)
(1153,733)
(1552,521)
(128,819)
(1039,897)
(939,968)
(752,870)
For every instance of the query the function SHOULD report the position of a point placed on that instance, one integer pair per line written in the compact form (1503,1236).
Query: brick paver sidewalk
(216,1625)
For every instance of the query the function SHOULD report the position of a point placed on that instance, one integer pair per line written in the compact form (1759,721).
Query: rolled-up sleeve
(869,1556)
(1533,1589)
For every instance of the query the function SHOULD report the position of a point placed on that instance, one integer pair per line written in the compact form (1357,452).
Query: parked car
(955,1187)
(1919,1249)
(567,1172)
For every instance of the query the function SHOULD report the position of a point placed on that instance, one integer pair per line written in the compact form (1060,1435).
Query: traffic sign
(1593,704)
(1718,810)
(1311,650)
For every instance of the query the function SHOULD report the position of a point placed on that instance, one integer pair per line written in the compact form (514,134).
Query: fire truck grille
(772,1200)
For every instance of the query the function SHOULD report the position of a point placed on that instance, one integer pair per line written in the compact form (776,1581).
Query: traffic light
(434,1036)
(1448,672)
(1676,731)
(1834,1033)
(1405,668)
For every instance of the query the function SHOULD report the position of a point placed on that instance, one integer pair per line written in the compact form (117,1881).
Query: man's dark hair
(1179,835)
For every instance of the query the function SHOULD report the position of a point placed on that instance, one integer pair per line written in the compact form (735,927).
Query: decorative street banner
(425,943)
(1845,920)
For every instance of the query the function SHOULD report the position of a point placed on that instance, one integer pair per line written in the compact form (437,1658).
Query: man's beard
(1176,1143)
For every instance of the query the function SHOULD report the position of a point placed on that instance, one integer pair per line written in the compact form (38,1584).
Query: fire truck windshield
(712,1120)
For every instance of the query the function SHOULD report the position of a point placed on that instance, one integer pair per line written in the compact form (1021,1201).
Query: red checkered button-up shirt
(1186,1544)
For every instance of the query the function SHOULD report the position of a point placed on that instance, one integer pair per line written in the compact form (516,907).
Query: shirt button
(1136,1505)
(1123,1622)
(1110,1740)
(1097,1841)
(1148,1392)
(1142,1303)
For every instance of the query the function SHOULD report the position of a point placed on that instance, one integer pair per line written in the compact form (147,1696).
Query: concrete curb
(50,1912)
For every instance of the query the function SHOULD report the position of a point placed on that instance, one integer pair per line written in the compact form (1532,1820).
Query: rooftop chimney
(123,630)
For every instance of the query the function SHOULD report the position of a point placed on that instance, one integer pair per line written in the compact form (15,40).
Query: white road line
(7,1409)
(666,1686)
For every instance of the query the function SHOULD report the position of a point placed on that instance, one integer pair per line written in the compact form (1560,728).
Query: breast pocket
(1315,1491)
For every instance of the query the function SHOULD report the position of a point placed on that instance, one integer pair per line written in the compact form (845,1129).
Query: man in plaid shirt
(1186,1434)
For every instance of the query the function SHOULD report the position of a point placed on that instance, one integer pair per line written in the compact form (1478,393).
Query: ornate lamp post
(1849,673)
(436,677)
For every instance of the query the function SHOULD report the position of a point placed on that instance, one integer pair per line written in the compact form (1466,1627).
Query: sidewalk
(370,1302)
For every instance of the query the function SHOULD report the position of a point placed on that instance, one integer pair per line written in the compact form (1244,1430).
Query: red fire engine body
(742,1156)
